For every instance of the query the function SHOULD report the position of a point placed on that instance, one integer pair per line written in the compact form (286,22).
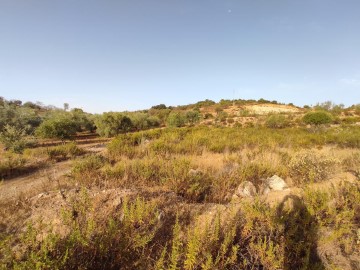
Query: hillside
(237,185)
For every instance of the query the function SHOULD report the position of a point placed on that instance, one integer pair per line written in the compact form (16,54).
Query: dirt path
(42,180)
(34,183)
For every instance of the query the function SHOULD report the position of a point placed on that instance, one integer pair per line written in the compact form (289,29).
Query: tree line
(22,123)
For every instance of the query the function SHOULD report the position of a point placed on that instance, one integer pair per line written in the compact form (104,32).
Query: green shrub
(14,138)
(317,118)
(61,152)
(125,145)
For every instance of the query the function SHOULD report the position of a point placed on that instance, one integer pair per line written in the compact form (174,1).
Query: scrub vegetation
(165,191)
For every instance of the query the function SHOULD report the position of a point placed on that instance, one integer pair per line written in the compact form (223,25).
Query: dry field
(189,198)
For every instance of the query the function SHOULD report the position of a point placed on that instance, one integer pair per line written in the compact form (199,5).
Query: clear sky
(132,54)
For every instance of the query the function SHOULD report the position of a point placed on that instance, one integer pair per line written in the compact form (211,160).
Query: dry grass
(161,199)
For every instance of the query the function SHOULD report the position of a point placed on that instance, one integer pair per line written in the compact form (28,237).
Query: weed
(309,167)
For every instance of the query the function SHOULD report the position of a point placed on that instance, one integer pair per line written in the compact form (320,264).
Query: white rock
(274,183)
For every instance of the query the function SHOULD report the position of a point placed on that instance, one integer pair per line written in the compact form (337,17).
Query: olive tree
(57,128)
(112,123)
(176,119)
(192,117)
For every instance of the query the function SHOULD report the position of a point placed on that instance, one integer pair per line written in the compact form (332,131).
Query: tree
(20,117)
(162,114)
(112,123)
(32,105)
(159,107)
(176,119)
(66,106)
(15,102)
(261,100)
(192,117)
(142,121)
(83,120)
(206,102)
(57,128)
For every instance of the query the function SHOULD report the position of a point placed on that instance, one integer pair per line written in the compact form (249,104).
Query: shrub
(230,120)
(208,116)
(351,120)
(65,151)
(352,164)
(14,138)
(89,163)
(309,167)
(221,116)
(317,118)
(11,163)
(277,121)
(123,240)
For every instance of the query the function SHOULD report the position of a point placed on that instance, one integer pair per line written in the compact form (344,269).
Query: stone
(42,194)
(146,141)
(274,183)
(246,189)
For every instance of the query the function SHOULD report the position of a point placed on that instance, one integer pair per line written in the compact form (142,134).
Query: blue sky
(132,54)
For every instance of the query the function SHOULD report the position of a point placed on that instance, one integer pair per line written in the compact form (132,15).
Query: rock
(274,183)
(193,172)
(42,194)
(245,189)
(117,202)
(161,216)
(146,141)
